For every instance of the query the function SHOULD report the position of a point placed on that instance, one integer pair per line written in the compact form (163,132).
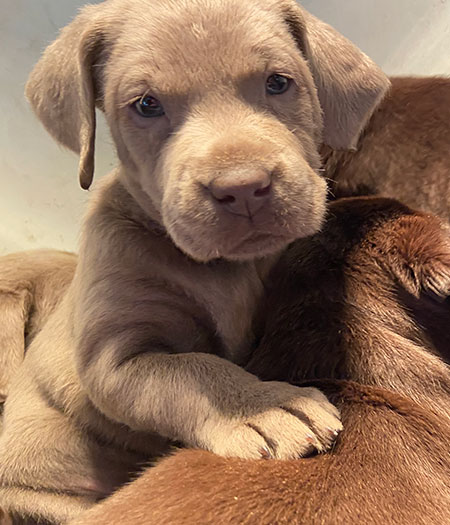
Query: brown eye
(148,107)
(277,84)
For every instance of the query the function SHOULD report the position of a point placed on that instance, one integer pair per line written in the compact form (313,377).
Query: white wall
(402,36)
(40,202)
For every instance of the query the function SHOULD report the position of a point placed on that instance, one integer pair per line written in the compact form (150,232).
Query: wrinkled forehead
(176,45)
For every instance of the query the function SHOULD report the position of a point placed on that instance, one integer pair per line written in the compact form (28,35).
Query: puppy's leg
(52,468)
(48,508)
(205,401)
(5,519)
(42,502)
(13,318)
(144,364)
(31,285)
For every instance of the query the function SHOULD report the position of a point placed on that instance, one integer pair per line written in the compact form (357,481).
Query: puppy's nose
(242,193)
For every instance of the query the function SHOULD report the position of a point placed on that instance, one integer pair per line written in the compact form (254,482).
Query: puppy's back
(390,466)
(404,151)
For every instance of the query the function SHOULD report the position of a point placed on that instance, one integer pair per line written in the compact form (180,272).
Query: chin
(256,247)
(262,244)
(245,244)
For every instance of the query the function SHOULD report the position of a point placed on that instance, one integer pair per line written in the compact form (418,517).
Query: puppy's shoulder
(115,219)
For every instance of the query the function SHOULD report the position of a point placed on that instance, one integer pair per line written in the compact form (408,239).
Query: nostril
(241,190)
(228,199)
(262,192)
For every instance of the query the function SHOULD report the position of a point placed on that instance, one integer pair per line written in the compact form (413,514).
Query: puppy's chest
(234,316)
(231,300)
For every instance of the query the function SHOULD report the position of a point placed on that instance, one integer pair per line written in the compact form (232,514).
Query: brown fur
(404,151)
(145,347)
(362,311)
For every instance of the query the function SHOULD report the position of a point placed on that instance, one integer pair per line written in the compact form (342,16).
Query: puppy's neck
(229,291)
(139,203)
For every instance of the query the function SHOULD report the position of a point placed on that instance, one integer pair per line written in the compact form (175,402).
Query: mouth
(256,244)
(207,235)
(243,245)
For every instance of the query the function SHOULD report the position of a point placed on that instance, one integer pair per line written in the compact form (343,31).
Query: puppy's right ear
(63,88)
(349,85)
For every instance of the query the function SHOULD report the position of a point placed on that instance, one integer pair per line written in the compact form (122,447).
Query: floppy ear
(63,89)
(422,261)
(349,84)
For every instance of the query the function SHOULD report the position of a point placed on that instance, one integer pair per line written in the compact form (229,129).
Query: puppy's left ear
(349,84)
(65,85)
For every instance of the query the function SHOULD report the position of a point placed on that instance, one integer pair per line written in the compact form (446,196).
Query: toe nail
(310,438)
(265,453)
(333,431)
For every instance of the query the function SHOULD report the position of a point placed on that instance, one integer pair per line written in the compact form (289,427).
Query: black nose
(242,193)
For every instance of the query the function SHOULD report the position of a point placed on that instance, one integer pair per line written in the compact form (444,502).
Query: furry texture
(362,311)
(31,285)
(145,347)
(403,152)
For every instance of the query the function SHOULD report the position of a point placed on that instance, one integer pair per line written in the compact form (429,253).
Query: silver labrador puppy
(217,110)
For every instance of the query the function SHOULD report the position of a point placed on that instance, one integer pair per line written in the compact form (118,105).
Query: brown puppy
(366,300)
(217,110)
(31,285)
(404,151)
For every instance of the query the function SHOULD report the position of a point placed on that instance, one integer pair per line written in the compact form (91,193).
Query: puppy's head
(217,110)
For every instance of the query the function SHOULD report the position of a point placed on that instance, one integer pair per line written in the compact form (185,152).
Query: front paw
(288,422)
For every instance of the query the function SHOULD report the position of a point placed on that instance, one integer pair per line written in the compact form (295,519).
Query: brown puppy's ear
(421,256)
(349,84)
(62,89)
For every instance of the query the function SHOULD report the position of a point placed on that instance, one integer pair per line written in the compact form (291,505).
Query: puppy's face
(216,120)
(217,109)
